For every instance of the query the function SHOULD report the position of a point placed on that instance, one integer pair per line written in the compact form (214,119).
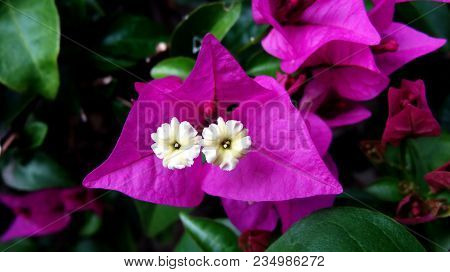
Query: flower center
(176,144)
(225,143)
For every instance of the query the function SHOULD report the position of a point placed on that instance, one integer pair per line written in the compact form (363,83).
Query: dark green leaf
(368,4)
(36,173)
(157,218)
(176,66)
(210,235)
(11,105)
(262,64)
(187,244)
(216,18)
(434,151)
(35,133)
(427,16)
(386,189)
(26,245)
(437,232)
(245,32)
(346,229)
(227,223)
(76,11)
(92,224)
(29,46)
(130,39)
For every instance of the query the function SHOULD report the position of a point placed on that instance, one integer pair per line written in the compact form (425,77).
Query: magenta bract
(409,114)
(283,162)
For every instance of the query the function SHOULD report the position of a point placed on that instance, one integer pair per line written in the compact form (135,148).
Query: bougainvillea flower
(439,179)
(414,210)
(225,143)
(409,114)
(302,27)
(176,144)
(332,108)
(45,212)
(400,43)
(348,69)
(263,216)
(282,163)
(320,132)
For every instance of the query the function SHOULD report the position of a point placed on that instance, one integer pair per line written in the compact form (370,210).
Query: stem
(11,138)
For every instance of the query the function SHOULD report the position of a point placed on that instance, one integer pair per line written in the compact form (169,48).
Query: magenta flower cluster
(333,52)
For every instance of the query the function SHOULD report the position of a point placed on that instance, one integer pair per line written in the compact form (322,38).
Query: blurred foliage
(66,86)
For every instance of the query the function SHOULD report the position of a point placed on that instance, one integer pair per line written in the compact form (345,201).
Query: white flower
(177,144)
(225,143)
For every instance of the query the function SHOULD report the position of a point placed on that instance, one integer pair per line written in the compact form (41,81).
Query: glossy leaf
(29,46)
(216,18)
(35,132)
(129,39)
(434,151)
(244,32)
(262,64)
(386,189)
(38,172)
(187,244)
(347,229)
(176,66)
(156,218)
(209,234)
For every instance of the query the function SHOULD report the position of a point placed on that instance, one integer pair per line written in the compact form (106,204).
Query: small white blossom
(225,143)
(176,144)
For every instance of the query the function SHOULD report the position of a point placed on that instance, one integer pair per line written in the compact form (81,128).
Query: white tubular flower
(176,144)
(225,143)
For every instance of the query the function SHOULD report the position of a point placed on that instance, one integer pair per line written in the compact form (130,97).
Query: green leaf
(346,229)
(35,132)
(368,4)
(210,235)
(187,244)
(386,189)
(92,224)
(79,11)
(244,32)
(437,232)
(176,66)
(22,245)
(215,18)
(38,172)
(262,64)
(11,105)
(434,151)
(129,39)
(156,218)
(227,223)
(29,46)
(427,16)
